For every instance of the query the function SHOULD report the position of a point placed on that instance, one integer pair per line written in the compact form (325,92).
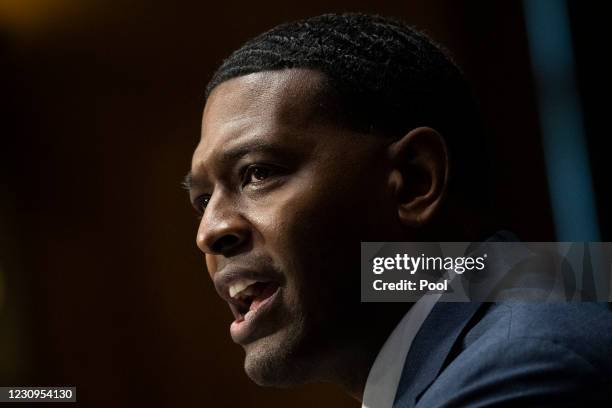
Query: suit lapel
(430,349)
(442,328)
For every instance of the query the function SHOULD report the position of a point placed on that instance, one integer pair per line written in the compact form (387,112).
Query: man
(326,132)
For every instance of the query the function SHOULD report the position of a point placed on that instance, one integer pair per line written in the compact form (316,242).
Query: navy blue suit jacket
(510,354)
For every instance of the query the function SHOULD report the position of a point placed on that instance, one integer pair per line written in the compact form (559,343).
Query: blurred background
(101,284)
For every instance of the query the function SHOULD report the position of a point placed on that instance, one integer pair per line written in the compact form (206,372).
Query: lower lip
(241,330)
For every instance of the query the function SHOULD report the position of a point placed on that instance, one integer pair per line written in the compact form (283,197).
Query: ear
(419,175)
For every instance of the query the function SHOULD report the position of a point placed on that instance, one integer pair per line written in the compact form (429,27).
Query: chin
(273,362)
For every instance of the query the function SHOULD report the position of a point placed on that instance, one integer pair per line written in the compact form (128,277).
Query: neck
(352,364)
(352,373)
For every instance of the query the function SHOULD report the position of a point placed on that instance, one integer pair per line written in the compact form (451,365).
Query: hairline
(331,104)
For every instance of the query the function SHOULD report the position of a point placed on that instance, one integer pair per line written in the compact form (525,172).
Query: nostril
(224,243)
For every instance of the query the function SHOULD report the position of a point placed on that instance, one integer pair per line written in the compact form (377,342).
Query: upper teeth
(240,285)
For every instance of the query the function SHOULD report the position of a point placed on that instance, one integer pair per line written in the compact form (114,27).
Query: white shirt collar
(386,371)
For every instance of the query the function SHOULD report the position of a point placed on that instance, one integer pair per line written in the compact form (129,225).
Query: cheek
(310,228)
(297,214)
(211,264)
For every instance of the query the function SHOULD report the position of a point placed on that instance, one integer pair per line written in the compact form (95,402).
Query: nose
(222,229)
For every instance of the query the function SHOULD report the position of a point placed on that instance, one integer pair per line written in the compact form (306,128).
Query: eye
(201,202)
(255,174)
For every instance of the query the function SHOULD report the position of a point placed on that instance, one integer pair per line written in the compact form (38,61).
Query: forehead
(260,106)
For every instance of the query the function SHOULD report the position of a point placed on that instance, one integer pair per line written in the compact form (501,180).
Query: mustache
(257,262)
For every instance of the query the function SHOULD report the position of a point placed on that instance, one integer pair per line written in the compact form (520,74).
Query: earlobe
(419,175)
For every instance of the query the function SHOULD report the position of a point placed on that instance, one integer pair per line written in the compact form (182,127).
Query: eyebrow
(236,152)
(187,182)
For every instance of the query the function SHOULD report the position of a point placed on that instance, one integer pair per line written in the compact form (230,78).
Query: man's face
(289,198)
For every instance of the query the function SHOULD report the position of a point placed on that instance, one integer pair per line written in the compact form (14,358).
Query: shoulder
(583,328)
(540,354)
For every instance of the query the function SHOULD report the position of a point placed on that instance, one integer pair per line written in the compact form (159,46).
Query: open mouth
(248,296)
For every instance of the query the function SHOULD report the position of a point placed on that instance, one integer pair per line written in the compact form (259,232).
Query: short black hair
(386,78)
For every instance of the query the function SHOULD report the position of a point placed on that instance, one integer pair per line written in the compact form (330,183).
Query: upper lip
(229,275)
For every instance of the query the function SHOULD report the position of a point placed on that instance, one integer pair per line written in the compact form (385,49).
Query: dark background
(101,284)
